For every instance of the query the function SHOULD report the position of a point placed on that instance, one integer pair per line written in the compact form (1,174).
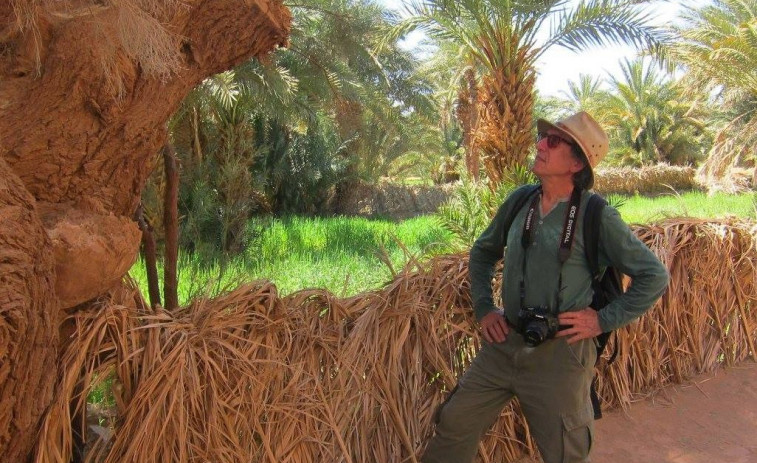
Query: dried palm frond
(659,178)
(251,376)
(134,30)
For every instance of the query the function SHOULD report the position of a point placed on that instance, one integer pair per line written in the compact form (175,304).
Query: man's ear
(578,165)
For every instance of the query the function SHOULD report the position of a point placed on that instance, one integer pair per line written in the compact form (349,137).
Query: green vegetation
(639,209)
(470,209)
(102,393)
(339,104)
(472,205)
(350,255)
(344,255)
(345,102)
(496,45)
(716,47)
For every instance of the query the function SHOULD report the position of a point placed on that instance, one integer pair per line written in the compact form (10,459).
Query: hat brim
(542,125)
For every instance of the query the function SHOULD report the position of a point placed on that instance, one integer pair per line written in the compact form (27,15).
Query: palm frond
(716,46)
(222,88)
(605,22)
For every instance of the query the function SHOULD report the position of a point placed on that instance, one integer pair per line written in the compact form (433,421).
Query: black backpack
(607,286)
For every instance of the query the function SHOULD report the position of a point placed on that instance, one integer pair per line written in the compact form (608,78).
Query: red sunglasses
(552,139)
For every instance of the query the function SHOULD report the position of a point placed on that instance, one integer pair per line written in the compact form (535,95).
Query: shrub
(470,209)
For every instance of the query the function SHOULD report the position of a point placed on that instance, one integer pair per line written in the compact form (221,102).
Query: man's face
(554,157)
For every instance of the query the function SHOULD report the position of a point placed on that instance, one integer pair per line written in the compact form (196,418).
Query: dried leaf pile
(656,179)
(254,377)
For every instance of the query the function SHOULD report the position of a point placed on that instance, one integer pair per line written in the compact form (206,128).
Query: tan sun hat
(586,132)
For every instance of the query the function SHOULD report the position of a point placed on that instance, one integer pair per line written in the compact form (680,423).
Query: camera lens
(535,333)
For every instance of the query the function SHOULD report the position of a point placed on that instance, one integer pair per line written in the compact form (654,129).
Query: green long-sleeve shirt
(618,246)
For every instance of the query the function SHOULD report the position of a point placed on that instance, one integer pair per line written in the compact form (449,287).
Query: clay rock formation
(92,251)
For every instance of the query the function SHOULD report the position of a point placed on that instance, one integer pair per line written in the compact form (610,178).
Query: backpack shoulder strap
(519,197)
(608,286)
(592,221)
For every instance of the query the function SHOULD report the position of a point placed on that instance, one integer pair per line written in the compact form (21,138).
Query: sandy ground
(710,419)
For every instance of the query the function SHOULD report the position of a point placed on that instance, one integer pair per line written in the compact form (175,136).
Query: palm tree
(502,37)
(649,120)
(717,48)
(455,95)
(585,95)
(279,134)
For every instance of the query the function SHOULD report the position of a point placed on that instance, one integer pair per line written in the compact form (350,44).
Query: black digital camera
(537,324)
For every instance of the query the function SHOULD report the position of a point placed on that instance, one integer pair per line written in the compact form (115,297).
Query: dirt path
(713,418)
(710,419)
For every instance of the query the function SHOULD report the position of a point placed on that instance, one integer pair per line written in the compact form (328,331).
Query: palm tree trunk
(196,144)
(467,114)
(506,105)
(171,226)
(29,314)
(150,255)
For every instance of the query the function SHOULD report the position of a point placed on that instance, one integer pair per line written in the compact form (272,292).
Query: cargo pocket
(577,436)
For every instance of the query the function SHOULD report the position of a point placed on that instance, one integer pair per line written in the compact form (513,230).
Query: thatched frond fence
(254,377)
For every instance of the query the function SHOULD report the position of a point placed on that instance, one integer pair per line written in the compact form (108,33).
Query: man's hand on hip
(493,326)
(582,324)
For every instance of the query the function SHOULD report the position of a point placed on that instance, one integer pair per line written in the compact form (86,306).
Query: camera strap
(566,242)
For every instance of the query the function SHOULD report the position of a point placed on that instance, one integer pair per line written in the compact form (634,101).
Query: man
(546,271)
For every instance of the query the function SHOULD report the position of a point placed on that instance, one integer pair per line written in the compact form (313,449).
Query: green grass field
(639,209)
(351,255)
(344,255)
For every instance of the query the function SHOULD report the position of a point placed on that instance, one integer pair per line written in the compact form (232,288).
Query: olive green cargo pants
(552,383)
